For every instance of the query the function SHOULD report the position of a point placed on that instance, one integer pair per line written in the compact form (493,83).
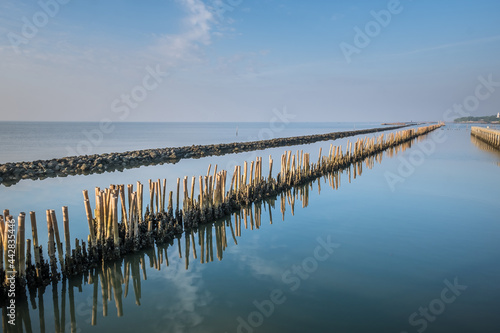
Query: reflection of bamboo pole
(232,231)
(194,246)
(210,243)
(166,257)
(179,247)
(104,292)
(251,218)
(63,305)
(201,241)
(41,311)
(116,278)
(160,256)
(95,283)
(143,267)
(218,241)
(136,280)
(208,229)
(127,276)
(26,316)
(71,295)
(5,319)
(55,301)
(186,255)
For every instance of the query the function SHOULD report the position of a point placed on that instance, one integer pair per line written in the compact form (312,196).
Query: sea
(406,243)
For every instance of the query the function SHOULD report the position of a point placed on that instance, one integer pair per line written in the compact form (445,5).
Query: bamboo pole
(164,194)
(101,225)
(185,192)
(136,200)
(132,209)
(151,195)
(2,228)
(116,237)
(124,208)
(21,239)
(67,239)
(245,167)
(270,168)
(34,235)
(88,210)
(178,186)
(6,245)
(251,181)
(170,201)
(200,180)
(51,245)
(191,200)
(139,201)
(158,196)
(213,178)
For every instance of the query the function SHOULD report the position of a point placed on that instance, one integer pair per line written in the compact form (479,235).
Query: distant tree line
(486,119)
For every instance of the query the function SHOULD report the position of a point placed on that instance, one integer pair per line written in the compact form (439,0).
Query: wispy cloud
(187,45)
(452,45)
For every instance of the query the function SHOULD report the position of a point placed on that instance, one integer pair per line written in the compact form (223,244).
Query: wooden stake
(90,221)
(124,208)
(67,239)
(58,239)
(21,239)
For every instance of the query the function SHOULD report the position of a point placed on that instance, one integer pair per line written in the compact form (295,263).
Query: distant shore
(494,119)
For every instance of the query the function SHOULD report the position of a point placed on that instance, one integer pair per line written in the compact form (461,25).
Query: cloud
(187,45)
(452,45)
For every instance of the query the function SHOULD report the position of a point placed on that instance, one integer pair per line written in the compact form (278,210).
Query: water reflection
(108,286)
(115,281)
(485,147)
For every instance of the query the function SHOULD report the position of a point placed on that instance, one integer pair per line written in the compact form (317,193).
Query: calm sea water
(413,246)
(27,141)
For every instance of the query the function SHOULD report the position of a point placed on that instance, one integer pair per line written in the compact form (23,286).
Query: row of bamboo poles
(117,225)
(114,279)
(490,136)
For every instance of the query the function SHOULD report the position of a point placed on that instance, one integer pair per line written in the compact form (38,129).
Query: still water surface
(363,257)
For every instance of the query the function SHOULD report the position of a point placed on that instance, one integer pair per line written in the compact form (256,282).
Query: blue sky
(238,60)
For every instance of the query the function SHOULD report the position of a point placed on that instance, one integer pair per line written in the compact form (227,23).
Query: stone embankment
(11,173)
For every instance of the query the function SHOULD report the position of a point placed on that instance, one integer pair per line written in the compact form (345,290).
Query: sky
(243,60)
